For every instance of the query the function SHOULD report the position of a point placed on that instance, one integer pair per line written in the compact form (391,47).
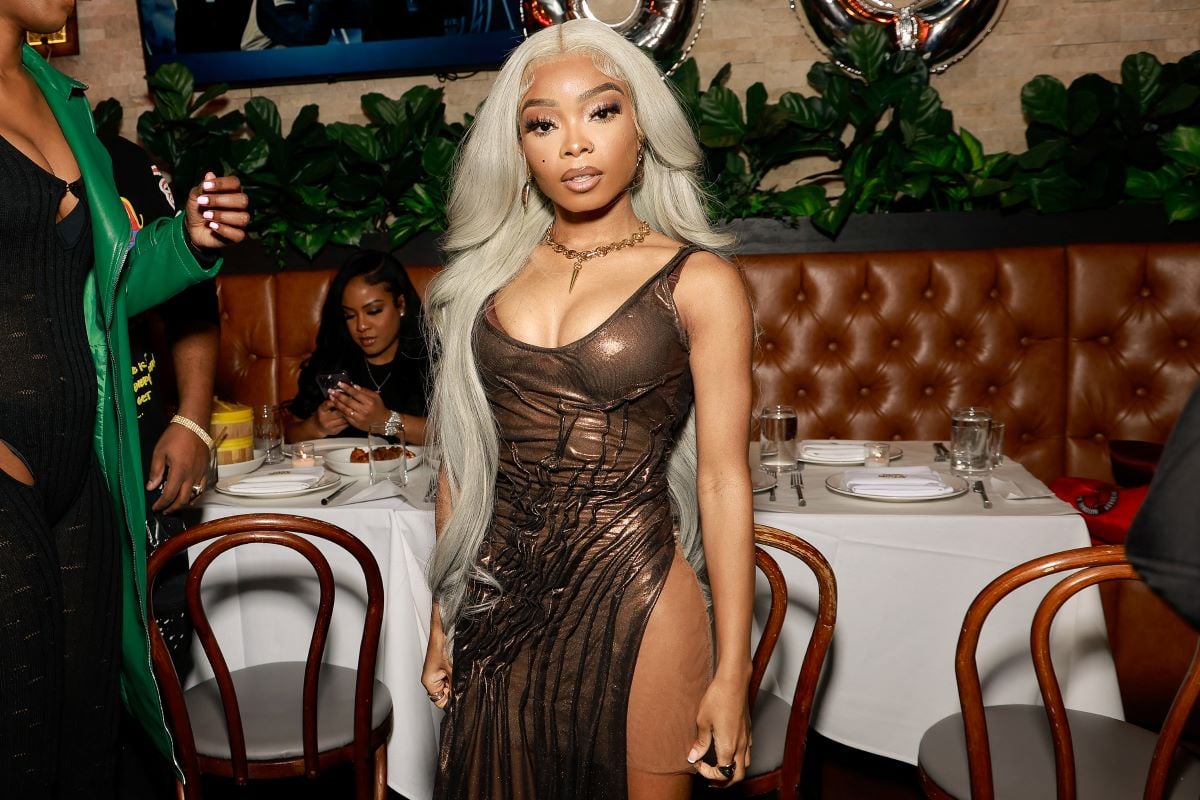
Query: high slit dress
(589,661)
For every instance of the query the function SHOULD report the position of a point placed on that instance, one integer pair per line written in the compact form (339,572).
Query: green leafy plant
(183,131)
(1096,143)
(316,184)
(904,153)
(742,145)
(889,143)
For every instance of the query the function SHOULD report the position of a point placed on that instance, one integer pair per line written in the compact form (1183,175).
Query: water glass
(996,444)
(969,431)
(777,438)
(381,442)
(268,433)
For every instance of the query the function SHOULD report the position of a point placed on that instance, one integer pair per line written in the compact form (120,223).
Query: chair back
(818,643)
(290,532)
(1088,566)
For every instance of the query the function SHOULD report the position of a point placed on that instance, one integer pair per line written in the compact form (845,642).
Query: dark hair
(335,347)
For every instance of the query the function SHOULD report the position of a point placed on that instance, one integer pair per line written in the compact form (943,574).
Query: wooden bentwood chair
(780,729)
(1029,751)
(247,724)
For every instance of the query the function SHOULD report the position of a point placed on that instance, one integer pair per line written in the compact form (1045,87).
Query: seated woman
(371,330)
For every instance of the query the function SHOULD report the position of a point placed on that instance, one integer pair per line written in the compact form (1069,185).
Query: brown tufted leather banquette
(1071,346)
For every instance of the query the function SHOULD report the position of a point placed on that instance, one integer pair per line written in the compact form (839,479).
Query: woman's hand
(216,212)
(724,723)
(330,421)
(361,406)
(436,674)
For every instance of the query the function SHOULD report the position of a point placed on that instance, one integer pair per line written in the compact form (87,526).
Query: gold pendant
(574,274)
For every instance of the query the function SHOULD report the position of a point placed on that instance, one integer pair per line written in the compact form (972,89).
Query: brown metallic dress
(588,667)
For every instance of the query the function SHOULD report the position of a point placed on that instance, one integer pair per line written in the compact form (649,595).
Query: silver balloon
(942,31)
(662,26)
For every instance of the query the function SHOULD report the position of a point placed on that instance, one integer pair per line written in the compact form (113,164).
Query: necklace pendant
(574,274)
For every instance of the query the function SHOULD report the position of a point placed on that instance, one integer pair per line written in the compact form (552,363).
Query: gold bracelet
(194,428)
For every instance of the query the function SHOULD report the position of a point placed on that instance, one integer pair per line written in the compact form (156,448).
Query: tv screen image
(244,42)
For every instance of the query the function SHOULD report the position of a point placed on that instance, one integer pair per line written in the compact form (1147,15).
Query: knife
(983,492)
(336,492)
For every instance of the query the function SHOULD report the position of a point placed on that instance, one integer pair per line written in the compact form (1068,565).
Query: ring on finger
(197,489)
(726,770)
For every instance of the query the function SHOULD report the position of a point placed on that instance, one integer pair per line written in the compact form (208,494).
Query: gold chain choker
(580,256)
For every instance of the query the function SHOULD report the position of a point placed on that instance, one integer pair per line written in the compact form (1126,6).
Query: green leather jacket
(127,277)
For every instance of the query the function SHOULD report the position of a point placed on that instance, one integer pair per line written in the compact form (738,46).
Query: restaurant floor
(832,772)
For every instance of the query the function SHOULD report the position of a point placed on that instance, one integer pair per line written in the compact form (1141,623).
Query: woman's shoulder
(706,269)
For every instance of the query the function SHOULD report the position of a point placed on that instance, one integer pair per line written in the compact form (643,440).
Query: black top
(1164,540)
(402,384)
(147,196)
(47,379)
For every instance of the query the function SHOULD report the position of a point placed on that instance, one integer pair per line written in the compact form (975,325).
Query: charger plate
(836,483)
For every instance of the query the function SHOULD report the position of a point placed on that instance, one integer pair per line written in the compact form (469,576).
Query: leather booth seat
(1071,346)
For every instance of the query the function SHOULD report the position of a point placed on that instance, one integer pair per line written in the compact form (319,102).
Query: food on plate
(359,454)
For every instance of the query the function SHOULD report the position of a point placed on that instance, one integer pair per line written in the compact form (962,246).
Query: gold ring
(197,489)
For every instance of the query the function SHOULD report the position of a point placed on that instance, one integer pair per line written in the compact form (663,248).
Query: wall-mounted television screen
(245,42)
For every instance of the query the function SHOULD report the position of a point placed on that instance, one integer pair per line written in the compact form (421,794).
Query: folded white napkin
(1020,488)
(279,480)
(896,482)
(368,491)
(833,449)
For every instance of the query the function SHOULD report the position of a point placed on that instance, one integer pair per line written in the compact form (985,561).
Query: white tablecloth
(270,617)
(906,574)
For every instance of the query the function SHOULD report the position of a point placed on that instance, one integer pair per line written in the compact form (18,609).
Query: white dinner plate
(894,452)
(327,481)
(339,461)
(241,467)
(762,481)
(837,484)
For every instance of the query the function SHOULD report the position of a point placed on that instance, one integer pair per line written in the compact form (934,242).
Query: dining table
(906,573)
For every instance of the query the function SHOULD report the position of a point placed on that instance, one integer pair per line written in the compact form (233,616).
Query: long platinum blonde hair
(490,238)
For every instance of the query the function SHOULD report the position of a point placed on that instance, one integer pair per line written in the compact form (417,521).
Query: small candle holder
(304,454)
(877,454)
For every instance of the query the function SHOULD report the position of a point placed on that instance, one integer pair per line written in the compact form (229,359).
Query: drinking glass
(268,433)
(996,444)
(386,469)
(878,454)
(969,430)
(777,438)
(328,381)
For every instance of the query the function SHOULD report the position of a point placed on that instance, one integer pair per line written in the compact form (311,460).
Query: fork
(798,485)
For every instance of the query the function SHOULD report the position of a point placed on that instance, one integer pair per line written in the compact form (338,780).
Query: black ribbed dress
(59,547)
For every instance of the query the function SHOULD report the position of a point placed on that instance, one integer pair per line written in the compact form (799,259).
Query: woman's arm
(364,407)
(325,421)
(712,303)
(436,674)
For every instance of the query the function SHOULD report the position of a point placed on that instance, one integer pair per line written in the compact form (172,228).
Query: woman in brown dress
(591,400)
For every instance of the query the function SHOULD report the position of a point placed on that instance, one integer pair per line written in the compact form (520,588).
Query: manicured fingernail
(214,225)
(208,215)
(209,186)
